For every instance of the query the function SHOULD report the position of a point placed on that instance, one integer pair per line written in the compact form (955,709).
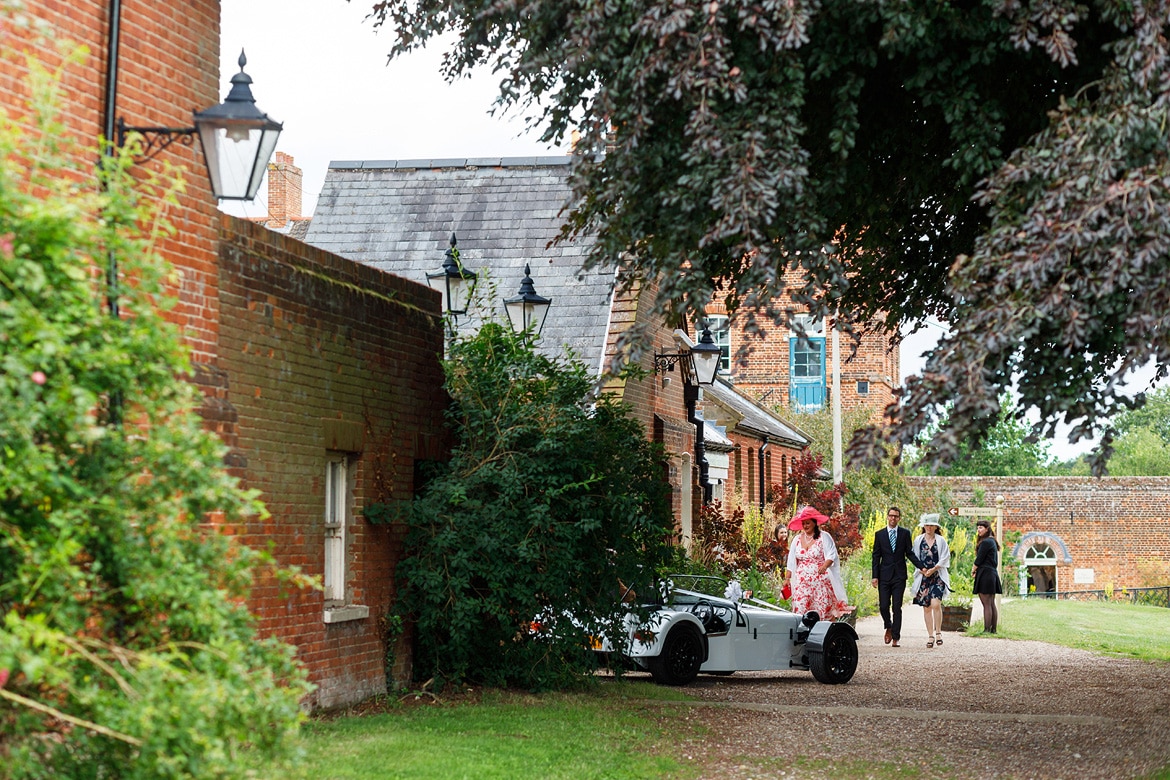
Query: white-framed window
(338,500)
(805,325)
(336,505)
(720,326)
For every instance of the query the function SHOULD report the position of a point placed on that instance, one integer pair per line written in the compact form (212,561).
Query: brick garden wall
(319,355)
(294,358)
(1118,527)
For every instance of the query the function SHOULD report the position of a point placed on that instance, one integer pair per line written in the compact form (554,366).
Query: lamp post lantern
(454,281)
(527,310)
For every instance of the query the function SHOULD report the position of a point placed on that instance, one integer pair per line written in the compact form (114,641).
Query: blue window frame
(806,374)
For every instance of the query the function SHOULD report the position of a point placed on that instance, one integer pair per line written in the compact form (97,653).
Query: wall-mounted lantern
(237,140)
(700,363)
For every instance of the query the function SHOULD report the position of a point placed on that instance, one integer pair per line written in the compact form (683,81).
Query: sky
(321,68)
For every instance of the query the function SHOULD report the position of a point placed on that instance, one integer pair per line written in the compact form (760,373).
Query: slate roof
(299,228)
(756,420)
(715,437)
(398,215)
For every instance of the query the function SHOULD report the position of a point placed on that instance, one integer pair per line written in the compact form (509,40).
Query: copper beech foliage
(1000,164)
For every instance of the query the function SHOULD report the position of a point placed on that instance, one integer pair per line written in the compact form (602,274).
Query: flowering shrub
(125,647)
(802,487)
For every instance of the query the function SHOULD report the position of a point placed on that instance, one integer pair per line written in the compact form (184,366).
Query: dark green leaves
(126,646)
(551,497)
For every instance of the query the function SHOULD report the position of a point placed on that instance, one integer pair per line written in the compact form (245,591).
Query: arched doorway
(1040,555)
(1041,562)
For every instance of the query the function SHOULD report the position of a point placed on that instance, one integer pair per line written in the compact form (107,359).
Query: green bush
(551,499)
(856,574)
(962,541)
(126,650)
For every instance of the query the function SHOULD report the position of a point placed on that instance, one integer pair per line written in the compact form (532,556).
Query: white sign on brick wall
(1083,576)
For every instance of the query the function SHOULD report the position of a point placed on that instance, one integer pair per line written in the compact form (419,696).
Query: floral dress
(933,586)
(812,590)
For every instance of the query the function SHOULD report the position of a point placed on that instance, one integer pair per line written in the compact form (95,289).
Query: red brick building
(321,376)
(784,369)
(746,448)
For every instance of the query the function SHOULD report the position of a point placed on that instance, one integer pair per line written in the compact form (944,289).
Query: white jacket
(944,561)
(830,549)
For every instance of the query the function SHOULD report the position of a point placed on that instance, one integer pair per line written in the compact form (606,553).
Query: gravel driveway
(976,707)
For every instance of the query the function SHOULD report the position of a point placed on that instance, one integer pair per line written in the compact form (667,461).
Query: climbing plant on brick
(125,647)
(552,497)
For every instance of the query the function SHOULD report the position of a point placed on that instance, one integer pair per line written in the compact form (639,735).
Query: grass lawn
(1103,627)
(600,734)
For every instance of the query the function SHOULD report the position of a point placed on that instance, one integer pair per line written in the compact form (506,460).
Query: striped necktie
(893,538)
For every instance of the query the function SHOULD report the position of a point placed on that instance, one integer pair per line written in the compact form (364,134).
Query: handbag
(786,591)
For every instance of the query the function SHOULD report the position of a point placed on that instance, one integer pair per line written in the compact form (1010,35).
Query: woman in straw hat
(813,568)
(933,580)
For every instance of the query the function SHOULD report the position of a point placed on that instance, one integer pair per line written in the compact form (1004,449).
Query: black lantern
(706,355)
(527,310)
(237,139)
(454,281)
(700,363)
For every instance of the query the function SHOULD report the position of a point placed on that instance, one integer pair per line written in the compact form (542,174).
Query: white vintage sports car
(695,632)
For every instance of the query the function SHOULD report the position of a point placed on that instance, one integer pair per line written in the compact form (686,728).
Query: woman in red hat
(814,571)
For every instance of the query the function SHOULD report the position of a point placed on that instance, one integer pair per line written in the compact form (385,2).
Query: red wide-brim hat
(806,513)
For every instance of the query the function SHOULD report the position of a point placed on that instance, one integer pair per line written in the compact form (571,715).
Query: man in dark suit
(891,550)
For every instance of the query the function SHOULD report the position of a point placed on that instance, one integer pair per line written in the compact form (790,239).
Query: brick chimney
(284,191)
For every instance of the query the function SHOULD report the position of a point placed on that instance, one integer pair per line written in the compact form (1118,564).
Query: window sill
(346,613)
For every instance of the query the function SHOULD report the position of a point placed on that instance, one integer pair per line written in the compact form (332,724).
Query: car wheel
(681,657)
(836,662)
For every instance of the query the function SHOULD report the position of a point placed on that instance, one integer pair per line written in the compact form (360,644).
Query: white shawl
(829,547)
(944,562)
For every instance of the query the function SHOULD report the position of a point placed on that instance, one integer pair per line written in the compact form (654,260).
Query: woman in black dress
(986,572)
